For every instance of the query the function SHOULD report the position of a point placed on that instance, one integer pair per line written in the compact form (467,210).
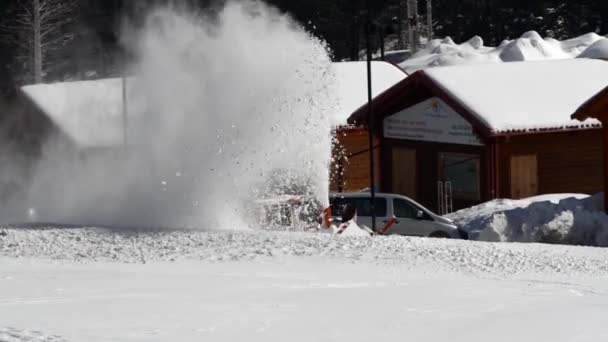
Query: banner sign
(433,121)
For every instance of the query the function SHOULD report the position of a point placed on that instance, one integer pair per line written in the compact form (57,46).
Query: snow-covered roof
(524,96)
(351,85)
(89,112)
(529,47)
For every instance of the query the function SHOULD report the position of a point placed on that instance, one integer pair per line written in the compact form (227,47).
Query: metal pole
(125,122)
(429,19)
(370,118)
(412,19)
(382,52)
(122,57)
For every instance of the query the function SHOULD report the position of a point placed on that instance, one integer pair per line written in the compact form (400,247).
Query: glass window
(364,207)
(403,209)
(361,203)
(463,172)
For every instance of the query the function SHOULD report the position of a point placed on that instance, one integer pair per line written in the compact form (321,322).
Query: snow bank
(564,219)
(529,47)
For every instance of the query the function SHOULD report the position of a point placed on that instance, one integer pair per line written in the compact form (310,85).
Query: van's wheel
(439,235)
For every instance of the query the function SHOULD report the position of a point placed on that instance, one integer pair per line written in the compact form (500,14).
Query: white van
(411,218)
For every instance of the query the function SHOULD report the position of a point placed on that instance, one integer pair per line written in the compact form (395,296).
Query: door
(404,171)
(524,176)
(461,172)
(407,222)
(364,212)
(412,220)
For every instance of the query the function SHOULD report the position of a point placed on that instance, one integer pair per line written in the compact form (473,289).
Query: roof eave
(595,107)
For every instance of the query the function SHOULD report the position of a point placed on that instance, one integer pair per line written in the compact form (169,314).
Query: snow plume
(221,106)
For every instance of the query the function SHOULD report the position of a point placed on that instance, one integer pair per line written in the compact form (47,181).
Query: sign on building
(433,121)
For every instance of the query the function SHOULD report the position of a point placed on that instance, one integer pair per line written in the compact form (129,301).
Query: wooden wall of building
(352,152)
(567,162)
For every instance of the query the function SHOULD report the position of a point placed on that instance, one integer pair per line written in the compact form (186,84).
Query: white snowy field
(84,284)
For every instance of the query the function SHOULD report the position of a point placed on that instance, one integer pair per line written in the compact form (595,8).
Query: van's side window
(364,207)
(403,209)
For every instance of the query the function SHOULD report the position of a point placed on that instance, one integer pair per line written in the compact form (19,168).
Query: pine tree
(36,29)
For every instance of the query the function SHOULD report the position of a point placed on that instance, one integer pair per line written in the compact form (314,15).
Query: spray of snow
(224,109)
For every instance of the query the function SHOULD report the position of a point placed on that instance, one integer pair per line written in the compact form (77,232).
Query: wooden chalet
(452,137)
(597,107)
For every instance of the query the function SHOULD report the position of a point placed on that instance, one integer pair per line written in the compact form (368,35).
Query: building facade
(452,137)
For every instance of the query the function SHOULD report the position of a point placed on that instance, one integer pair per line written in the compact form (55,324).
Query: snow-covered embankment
(563,218)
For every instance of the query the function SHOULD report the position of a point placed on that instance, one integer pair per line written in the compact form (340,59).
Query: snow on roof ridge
(523,97)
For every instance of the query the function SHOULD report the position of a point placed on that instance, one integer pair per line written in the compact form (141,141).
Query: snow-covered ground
(94,284)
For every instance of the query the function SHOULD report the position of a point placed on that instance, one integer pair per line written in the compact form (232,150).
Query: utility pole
(125,122)
(370,116)
(402,24)
(382,50)
(429,19)
(412,25)
(125,106)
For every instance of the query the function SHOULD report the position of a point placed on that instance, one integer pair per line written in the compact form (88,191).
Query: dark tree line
(93,49)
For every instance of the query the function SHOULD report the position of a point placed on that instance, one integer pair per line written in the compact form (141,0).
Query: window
(361,203)
(403,209)
(364,207)
(463,173)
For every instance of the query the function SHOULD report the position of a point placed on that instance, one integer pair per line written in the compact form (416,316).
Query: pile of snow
(529,47)
(562,219)
(524,96)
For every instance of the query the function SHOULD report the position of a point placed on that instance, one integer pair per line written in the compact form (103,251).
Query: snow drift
(563,219)
(529,47)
